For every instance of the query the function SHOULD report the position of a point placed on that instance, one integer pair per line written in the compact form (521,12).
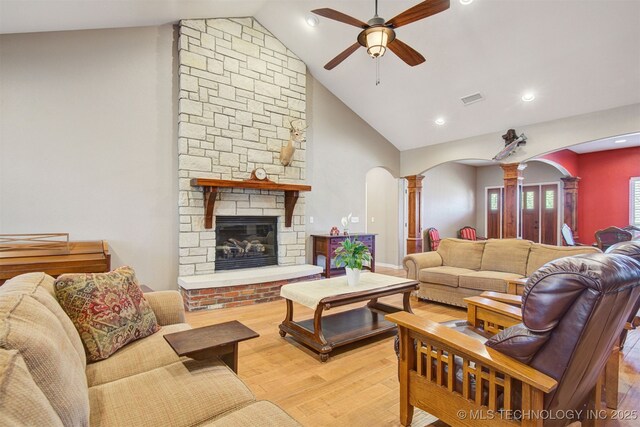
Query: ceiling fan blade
(406,53)
(339,16)
(419,11)
(342,56)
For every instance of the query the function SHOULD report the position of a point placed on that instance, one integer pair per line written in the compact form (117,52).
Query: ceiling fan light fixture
(376,40)
(312,20)
(528,97)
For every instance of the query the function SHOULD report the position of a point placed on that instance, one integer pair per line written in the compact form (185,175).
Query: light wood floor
(358,385)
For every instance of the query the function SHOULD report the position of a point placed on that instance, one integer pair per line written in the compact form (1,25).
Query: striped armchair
(469,233)
(431,240)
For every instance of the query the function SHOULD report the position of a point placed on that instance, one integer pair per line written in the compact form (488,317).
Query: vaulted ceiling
(577,56)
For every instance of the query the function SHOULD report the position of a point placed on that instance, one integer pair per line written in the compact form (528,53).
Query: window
(549,198)
(634,201)
(494,201)
(529,201)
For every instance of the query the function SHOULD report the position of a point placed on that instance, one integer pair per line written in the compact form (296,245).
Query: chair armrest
(468,348)
(413,263)
(167,306)
(491,316)
(515,300)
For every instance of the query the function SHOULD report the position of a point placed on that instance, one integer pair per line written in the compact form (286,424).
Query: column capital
(570,182)
(414,181)
(513,170)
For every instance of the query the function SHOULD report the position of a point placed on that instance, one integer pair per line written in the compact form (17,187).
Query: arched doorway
(383,215)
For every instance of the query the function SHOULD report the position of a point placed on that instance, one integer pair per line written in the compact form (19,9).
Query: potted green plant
(351,255)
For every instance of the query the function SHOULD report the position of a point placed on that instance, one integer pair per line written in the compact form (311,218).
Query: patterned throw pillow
(107,309)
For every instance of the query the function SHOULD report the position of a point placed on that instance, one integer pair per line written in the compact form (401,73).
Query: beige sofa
(45,380)
(464,268)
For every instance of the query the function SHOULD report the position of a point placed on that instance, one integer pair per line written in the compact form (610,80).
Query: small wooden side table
(516,286)
(214,340)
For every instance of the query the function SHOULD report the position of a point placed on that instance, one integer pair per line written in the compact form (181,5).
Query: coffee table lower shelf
(340,329)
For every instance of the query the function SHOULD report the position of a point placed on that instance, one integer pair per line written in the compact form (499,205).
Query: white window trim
(632,183)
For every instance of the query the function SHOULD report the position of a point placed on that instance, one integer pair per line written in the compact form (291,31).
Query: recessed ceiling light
(311,20)
(466,2)
(440,121)
(528,97)
(620,141)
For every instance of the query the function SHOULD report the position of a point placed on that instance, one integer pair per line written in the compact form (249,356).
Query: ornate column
(414,213)
(511,200)
(570,192)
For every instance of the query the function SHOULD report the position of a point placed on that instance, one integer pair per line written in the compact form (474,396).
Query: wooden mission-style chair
(610,236)
(431,239)
(573,311)
(469,233)
(487,315)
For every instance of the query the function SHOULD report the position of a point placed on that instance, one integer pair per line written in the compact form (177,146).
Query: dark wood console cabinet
(326,245)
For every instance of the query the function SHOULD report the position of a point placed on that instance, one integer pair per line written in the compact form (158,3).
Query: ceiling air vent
(470,99)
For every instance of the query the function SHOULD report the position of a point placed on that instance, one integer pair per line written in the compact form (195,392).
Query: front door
(549,214)
(494,213)
(531,213)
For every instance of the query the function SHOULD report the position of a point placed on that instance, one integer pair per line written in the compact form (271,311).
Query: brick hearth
(235,296)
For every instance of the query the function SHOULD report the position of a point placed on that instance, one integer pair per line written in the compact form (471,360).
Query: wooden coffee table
(325,333)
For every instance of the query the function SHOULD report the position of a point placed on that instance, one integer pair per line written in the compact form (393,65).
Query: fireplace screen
(246,241)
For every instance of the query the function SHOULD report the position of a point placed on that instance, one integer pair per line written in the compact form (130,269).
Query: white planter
(353,276)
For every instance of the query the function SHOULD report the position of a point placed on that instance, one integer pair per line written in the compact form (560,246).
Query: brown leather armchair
(573,311)
(630,249)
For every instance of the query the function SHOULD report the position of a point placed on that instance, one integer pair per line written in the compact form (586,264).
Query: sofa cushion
(136,357)
(108,309)
(39,286)
(461,253)
(506,255)
(184,393)
(262,413)
(21,401)
(487,280)
(36,333)
(442,275)
(541,254)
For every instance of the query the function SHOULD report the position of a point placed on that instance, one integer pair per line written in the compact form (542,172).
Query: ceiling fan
(378,35)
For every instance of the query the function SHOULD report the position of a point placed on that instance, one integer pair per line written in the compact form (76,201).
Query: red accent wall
(565,158)
(603,191)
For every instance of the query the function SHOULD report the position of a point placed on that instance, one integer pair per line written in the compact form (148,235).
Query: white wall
(448,198)
(543,138)
(383,215)
(341,149)
(88,142)
(492,176)
(88,145)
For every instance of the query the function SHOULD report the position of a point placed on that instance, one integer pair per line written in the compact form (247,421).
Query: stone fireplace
(239,88)
(246,242)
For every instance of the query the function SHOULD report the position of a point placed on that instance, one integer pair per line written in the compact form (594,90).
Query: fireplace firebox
(246,242)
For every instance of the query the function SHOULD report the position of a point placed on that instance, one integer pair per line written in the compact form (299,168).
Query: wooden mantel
(210,189)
